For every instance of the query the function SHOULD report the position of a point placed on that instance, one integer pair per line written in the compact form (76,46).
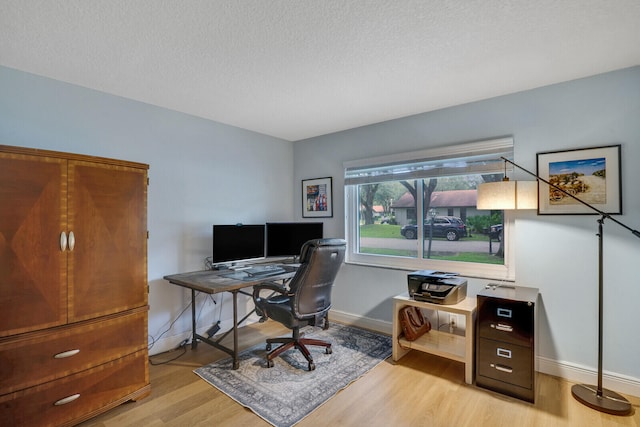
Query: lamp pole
(432,214)
(597,397)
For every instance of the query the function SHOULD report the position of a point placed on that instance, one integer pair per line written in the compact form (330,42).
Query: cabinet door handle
(63,241)
(66,400)
(66,354)
(72,240)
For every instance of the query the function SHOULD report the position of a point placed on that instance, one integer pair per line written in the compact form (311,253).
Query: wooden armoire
(73,286)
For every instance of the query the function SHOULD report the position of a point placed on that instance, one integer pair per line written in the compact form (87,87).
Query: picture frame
(317,198)
(591,174)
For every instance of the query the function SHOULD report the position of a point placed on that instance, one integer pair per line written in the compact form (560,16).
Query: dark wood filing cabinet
(505,340)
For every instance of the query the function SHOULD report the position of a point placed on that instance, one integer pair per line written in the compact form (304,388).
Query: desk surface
(215,281)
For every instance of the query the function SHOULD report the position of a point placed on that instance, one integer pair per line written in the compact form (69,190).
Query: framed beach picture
(589,174)
(317,198)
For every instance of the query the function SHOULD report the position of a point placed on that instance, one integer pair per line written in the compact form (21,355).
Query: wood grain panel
(96,342)
(33,291)
(107,214)
(97,388)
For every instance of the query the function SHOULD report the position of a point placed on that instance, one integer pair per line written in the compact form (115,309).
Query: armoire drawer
(506,362)
(38,357)
(505,320)
(74,398)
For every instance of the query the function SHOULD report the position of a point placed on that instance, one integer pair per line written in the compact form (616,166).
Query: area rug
(286,393)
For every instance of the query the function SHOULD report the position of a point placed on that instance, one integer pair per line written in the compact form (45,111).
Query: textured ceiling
(301,68)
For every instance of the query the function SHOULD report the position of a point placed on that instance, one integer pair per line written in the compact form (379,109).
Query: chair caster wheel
(312,366)
(270,364)
(268,348)
(328,350)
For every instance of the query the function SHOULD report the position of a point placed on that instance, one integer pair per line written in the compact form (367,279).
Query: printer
(436,287)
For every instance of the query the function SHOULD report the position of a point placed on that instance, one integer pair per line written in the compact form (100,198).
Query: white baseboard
(585,375)
(168,343)
(568,371)
(172,342)
(381,326)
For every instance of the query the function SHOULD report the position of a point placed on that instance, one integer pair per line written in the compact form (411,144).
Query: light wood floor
(418,390)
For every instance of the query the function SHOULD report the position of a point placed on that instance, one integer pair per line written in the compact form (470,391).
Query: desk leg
(194,338)
(236,362)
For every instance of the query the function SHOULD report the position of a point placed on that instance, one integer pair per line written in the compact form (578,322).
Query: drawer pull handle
(66,354)
(503,327)
(503,368)
(67,400)
(503,352)
(504,312)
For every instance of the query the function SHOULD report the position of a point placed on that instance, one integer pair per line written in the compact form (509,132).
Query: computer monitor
(286,238)
(238,242)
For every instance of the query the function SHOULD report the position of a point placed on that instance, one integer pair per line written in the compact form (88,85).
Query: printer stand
(440,343)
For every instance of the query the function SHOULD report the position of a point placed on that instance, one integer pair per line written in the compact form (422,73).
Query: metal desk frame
(213,282)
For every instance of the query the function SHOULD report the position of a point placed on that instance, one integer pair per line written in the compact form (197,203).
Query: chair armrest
(269,286)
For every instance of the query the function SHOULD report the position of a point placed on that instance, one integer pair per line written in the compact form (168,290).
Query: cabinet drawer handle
(503,352)
(503,327)
(66,400)
(63,241)
(72,240)
(504,312)
(502,368)
(66,354)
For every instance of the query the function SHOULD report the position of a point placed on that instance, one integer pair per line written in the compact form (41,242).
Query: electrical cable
(183,345)
(154,340)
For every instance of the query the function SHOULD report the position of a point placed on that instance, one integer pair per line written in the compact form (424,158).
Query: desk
(213,282)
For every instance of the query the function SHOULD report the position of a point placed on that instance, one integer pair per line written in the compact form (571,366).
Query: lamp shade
(508,195)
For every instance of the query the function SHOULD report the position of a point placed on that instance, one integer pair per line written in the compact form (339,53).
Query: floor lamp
(497,195)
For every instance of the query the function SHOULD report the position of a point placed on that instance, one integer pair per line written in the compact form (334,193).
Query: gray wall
(201,173)
(557,254)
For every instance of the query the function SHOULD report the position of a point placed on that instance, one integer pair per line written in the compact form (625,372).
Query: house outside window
(430,219)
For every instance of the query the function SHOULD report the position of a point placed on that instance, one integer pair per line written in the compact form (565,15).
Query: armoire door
(33,280)
(107,216)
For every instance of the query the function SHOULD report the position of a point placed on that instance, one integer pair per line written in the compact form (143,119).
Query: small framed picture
(317,198)
(589,174)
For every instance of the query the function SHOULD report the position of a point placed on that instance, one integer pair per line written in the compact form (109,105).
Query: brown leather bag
(413,322)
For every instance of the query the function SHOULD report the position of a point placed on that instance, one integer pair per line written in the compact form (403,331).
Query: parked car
(450,227)
(495,232)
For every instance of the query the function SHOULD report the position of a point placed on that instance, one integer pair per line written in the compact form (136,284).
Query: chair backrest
(320,260)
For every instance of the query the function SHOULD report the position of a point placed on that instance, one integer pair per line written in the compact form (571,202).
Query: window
(418,210)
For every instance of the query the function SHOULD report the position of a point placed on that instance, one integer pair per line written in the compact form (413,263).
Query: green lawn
(393,232)
(459,256)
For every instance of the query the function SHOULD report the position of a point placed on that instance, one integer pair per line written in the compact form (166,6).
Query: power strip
(213,330)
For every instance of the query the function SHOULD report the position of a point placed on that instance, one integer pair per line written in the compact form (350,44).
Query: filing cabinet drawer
(505,362)
(34,358)
(505,320)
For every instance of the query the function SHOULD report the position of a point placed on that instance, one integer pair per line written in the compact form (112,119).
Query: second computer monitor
(286,238)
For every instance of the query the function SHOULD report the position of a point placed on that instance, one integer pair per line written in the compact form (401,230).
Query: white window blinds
(481,157)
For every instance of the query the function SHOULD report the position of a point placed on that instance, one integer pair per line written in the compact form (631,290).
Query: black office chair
(307,299)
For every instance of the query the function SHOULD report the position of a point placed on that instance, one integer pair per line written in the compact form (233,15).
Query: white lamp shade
(508,195)
(526,194)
